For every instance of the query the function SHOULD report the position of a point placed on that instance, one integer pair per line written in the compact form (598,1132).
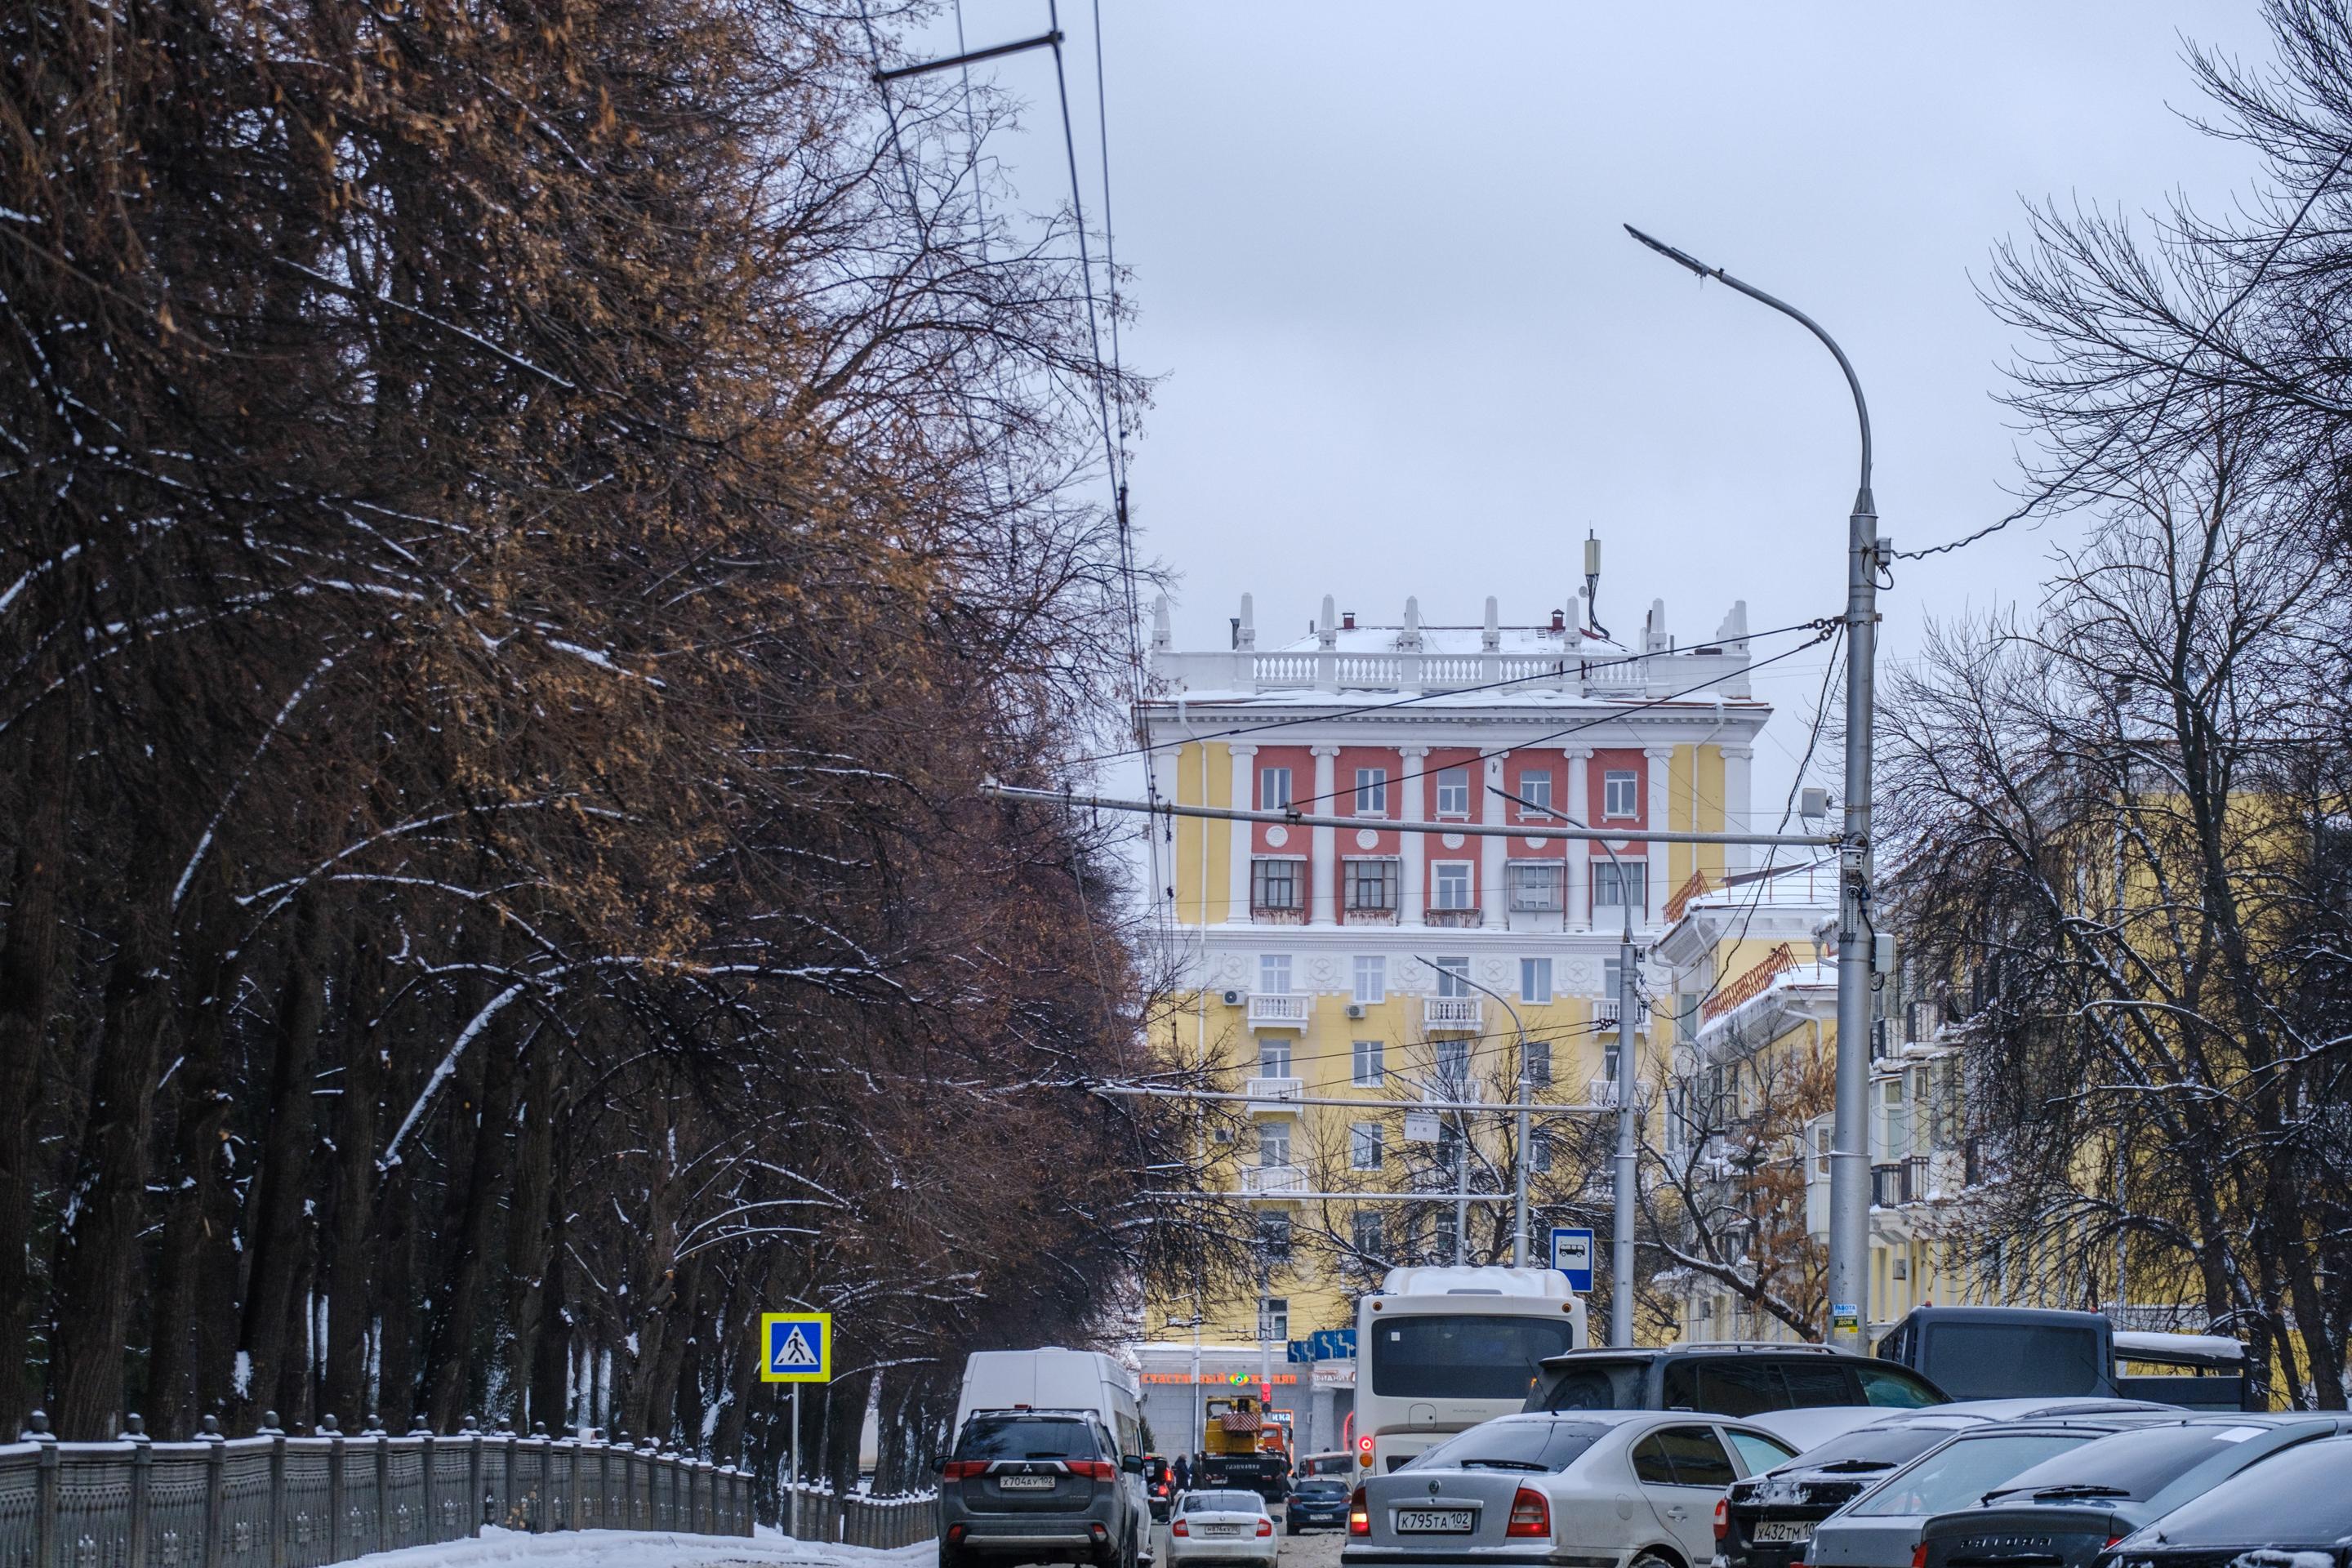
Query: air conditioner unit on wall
(1232,998)
(1355,1009)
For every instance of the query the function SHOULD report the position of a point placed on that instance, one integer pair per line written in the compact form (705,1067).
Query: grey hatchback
(1041,1486)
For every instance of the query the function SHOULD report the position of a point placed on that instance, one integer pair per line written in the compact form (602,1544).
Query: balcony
(1603,1091)
(1267,1093)
(1452,1087)
(1461,919)
(1278,914)
(1890,1184)
(1268,1181)
(1280,1011)
(1453,1013)
(1605,1012)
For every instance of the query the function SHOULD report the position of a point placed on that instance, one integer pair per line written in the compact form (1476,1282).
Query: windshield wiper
(1849,1467)
(2082,1489)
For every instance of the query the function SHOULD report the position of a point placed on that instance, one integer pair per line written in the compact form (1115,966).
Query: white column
(1735,818)
(1577,892)
(1324,866)
(1494,905)
(1657,820)
(1414,845)
(1245,799)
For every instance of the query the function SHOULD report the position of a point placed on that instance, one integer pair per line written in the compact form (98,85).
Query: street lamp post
(1849,1262)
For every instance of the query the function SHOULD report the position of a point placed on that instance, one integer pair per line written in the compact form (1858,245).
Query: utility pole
(1849,1262)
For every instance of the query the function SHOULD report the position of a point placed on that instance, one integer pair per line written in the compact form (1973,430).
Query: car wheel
(1650,1560)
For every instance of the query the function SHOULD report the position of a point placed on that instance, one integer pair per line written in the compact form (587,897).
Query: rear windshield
(2138,1465)
(2001,1360)
(1027,1437)
(2294,1499)
(1594,1385)
(1958,1474)
(1468,1356)
(1224,1502)
(1320,1488)
(1872,1448)
(1530,1447)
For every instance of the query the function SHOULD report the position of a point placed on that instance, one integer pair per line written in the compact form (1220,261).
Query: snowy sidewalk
(495,1548)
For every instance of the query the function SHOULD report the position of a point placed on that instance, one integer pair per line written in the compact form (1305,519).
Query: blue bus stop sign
(1571,1254)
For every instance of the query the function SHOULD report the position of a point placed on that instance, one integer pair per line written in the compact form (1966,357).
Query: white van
(1055,1379)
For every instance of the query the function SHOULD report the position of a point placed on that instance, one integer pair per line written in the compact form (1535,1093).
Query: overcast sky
(1407,349)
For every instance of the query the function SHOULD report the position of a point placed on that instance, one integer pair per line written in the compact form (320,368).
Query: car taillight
(1722,1519)
(1096,1470)
(1530,1514)
(1360,1513)
(1919,1555)
(2115,1540)
(956,1469)
(1178,1528)
(1266,1527)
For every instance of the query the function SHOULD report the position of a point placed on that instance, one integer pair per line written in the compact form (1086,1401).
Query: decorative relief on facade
(1325,971)
(1453,841)
(1277,835)
(1495,971)
(1233,968)
(1580,976)
(1366,838)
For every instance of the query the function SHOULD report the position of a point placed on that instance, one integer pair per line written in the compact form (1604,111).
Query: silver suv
(1041,1486)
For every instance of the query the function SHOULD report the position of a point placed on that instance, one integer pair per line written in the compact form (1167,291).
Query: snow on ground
(497,1548)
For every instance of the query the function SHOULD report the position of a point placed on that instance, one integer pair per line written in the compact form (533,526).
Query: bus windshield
(1465,1355)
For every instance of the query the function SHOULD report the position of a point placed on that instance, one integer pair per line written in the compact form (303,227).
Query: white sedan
(1586,1488)
(1222,1527)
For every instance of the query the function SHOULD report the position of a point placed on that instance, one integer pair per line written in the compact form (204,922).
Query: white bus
(1440,1349)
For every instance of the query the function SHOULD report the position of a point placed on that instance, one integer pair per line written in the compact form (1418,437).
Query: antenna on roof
(1593,581)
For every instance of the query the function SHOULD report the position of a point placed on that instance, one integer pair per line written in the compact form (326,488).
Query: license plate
(1433,1520)
(1782,1529)
(1221,1532)
(1025,1483)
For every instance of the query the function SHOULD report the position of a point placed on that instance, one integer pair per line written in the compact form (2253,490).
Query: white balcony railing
(1273,1090)
(1605,1012)
(1453,1013)
(1263,1180)
(1603,1091)
(1278,1011)
(1455,1088)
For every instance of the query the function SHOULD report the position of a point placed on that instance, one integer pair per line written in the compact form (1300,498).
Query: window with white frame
(1609,1060)
(1371,884)
(1449,885)
(1273,1143)
(1540,1064)
(1452,792)
(1371,792)
(1370,1234)
(1365,1150)
(1620,882)
(1441,1233)
(1539,1152)
(1273,973)
(1371,978)
(1369,1066)
(1536,885)
(1274,789)
(1274,1236)
(1823,1133)
(1535,980)
(1453,1053)
(1535,793)
(1275,883)
(1453,976)
(1273,1057)
(1609,970)
(1273,1317)
(1621,794)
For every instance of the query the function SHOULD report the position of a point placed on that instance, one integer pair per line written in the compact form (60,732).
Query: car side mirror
(1131,1463)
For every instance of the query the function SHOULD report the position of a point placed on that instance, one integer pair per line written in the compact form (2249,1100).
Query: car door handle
(1677,1512)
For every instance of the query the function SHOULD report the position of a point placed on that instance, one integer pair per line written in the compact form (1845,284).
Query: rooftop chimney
(1348,621)
(1560,620)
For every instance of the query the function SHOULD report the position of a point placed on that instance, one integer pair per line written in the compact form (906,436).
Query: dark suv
(1727,1379)
(1041,1486)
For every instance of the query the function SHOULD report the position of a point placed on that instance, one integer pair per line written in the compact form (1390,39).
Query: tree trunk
(354,1236)
(28,966)
(397,1394)
(277,1230)
(98,1244)
(530,1225)
(449,1363)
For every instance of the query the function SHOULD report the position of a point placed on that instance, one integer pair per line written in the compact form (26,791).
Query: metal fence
(815,1513)
(276,1501)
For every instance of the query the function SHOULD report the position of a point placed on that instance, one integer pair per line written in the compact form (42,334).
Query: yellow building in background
(1336,977)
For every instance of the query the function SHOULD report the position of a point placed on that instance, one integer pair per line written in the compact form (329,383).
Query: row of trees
(525,522)
(2122,819)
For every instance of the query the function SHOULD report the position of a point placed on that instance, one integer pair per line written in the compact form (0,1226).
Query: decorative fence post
(215,1490)
(382,1483)
(269,1429)
(142,1466)
(481,1503)
(424,1432)
(45,1506)
(337,1537)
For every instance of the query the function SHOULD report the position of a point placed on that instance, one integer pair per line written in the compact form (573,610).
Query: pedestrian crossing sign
(796,1347)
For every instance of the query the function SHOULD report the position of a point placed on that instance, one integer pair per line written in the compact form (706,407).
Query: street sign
(796,1347)
(1420,1127)
(1571,1254)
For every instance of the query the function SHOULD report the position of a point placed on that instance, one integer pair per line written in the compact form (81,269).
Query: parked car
(1881,1528)
(1158,1485)
(1768,1519)
(1992,1352)
(1589,1486)
(1222,1527)
(1041,1486)
(2292,1510)
(1319,1502)
(1747,1381)
(2065,1511)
